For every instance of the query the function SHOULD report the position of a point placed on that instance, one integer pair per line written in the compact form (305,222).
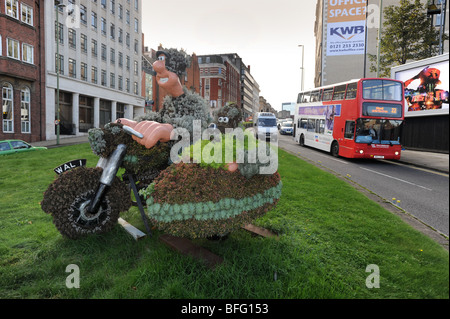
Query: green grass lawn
(328,234)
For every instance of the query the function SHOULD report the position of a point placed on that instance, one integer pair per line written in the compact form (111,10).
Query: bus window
(382,90)
(303,123)
(300,98)
(339,92)
(322,126)
(351,91)
(349,129)
(315,96)
(311,125)
(327,94)
(392,91)
(306,97)
(373,90)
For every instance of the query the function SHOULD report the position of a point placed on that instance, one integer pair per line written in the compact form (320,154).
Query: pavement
(429,160)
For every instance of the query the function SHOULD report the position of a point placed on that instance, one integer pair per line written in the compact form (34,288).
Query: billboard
(346,27)
(426,87)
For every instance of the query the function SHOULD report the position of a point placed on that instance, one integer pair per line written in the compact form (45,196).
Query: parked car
(286,128)
(17,146)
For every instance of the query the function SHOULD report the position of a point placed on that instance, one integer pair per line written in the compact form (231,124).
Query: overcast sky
(264,33)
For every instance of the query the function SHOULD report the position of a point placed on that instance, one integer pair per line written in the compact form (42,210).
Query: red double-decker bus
(356,119)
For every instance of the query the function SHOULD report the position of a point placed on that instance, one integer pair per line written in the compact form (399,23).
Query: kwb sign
(347,33)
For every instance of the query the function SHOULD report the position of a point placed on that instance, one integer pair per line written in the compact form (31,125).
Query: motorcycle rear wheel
(67,199)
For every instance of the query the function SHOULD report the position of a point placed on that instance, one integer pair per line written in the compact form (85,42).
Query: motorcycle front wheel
(68,199)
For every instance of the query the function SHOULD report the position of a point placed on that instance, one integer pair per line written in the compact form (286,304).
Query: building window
(27,14)
(112,80)
(59,63)
(120,35)
(136,46)
(72,68)
(83,43)
(136,25)
(136,88)
(120,59)
(7,108)
(136,67)
(94,49)
(128,63)
(113,6)
(83,14)
(94,20)
(127,16)
(27,53)
(73,38)
(113,56)
(103,77)
(113,31)
(120,83)
(128,85)
(103,52)
(12,8)
(120,12)
(59,32)
(94,75)
(25,97)
(83,71)
(103,2)
(136,5)
(103,26)
(128,40)
(13,48)
(120,110)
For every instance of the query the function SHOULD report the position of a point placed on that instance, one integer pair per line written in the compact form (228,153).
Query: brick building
(22,70)
(220,80)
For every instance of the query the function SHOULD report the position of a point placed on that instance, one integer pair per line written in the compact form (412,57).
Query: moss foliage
(76,186)
(138,160)
(188,200)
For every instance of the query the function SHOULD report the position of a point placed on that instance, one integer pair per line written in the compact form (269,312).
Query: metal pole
(58,5)
(379,39)
(365,45)
(443,8)
(302,68)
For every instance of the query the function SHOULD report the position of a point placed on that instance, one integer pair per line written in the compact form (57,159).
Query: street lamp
(302,68)
(379,39)
(57,6)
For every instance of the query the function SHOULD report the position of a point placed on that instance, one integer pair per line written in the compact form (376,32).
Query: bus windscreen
(385,90)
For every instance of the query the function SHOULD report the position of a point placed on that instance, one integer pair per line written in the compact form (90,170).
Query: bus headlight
(396,153)
(361,152)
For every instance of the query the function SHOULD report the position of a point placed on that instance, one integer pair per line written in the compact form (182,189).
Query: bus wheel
(302,140)
(335,149)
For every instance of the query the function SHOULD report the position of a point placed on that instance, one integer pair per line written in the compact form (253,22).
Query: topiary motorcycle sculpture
(193,198)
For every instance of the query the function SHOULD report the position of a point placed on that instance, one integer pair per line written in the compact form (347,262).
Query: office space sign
(346,27)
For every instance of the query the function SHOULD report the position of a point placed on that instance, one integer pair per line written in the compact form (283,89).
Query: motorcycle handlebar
(131,131)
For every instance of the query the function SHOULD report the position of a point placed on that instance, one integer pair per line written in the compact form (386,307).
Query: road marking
(417,168)
(331,158)
(398,179)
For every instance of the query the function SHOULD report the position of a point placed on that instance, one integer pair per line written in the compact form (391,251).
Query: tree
(407,35)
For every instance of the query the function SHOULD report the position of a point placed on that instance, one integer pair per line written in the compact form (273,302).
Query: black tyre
(335,149)
(302,140)
(67,199)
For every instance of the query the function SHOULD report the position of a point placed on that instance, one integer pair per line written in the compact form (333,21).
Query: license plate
(69,165)
(378,156)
